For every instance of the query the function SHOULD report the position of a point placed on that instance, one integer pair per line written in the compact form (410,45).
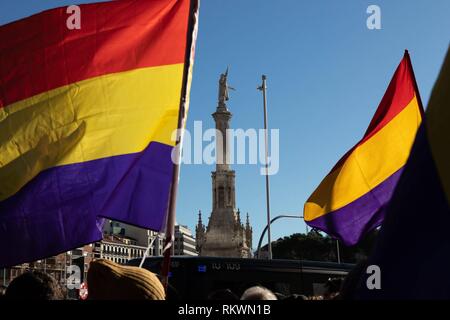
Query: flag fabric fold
(350,201)
(86,122)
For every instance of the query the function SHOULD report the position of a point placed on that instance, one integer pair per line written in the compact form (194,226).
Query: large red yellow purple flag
(86,121)
(351,200)
(413,246)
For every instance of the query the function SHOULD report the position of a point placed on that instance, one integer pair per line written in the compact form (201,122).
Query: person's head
(258,293)
(280,296)
(222,294)
(34,285)
(111,281)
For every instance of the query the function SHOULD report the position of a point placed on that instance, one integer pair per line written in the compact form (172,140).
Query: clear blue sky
(326,75)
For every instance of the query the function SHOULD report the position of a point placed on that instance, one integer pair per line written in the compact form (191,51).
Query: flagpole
(171,214)
(263,88)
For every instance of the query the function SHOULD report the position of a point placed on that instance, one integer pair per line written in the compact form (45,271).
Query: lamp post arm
(258,250)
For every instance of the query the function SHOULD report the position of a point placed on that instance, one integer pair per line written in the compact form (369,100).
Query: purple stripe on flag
(350,223)
(61,208)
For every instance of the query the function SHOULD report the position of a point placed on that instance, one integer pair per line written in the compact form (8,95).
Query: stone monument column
(225,236)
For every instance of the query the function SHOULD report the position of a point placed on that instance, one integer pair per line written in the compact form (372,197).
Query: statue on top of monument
(223,88)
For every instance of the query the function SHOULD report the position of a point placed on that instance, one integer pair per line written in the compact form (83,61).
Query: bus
(197,277)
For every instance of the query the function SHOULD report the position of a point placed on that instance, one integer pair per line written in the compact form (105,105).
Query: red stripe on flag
(400,92)
(398,95)
(40,53)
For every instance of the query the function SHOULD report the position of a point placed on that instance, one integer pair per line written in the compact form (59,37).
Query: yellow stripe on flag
(101,117)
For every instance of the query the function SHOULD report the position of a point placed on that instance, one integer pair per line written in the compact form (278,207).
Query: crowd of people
(108,280)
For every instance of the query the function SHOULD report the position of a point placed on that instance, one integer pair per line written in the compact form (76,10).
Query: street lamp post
(65,265)
(338,252)
(85,263)
(263,88)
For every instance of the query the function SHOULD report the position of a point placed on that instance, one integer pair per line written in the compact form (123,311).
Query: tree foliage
(316,247)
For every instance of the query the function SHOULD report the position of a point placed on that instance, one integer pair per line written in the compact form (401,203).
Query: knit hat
(108,280)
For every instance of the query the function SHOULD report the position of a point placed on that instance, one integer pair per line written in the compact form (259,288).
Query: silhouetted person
(333,286)
(34,285)
(296,297)
(222,294)
(280,296)
(352,281)
(2,292)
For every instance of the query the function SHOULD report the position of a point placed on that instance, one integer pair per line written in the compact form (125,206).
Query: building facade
(225,235)
(124,241)
(185,244)
(120,243)
(139,236)
(118,249)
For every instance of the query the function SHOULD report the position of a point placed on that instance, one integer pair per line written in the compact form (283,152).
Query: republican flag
(350,201)
(86,118)
(413,246)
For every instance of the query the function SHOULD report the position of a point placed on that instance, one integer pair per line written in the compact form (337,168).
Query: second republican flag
(351,199)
